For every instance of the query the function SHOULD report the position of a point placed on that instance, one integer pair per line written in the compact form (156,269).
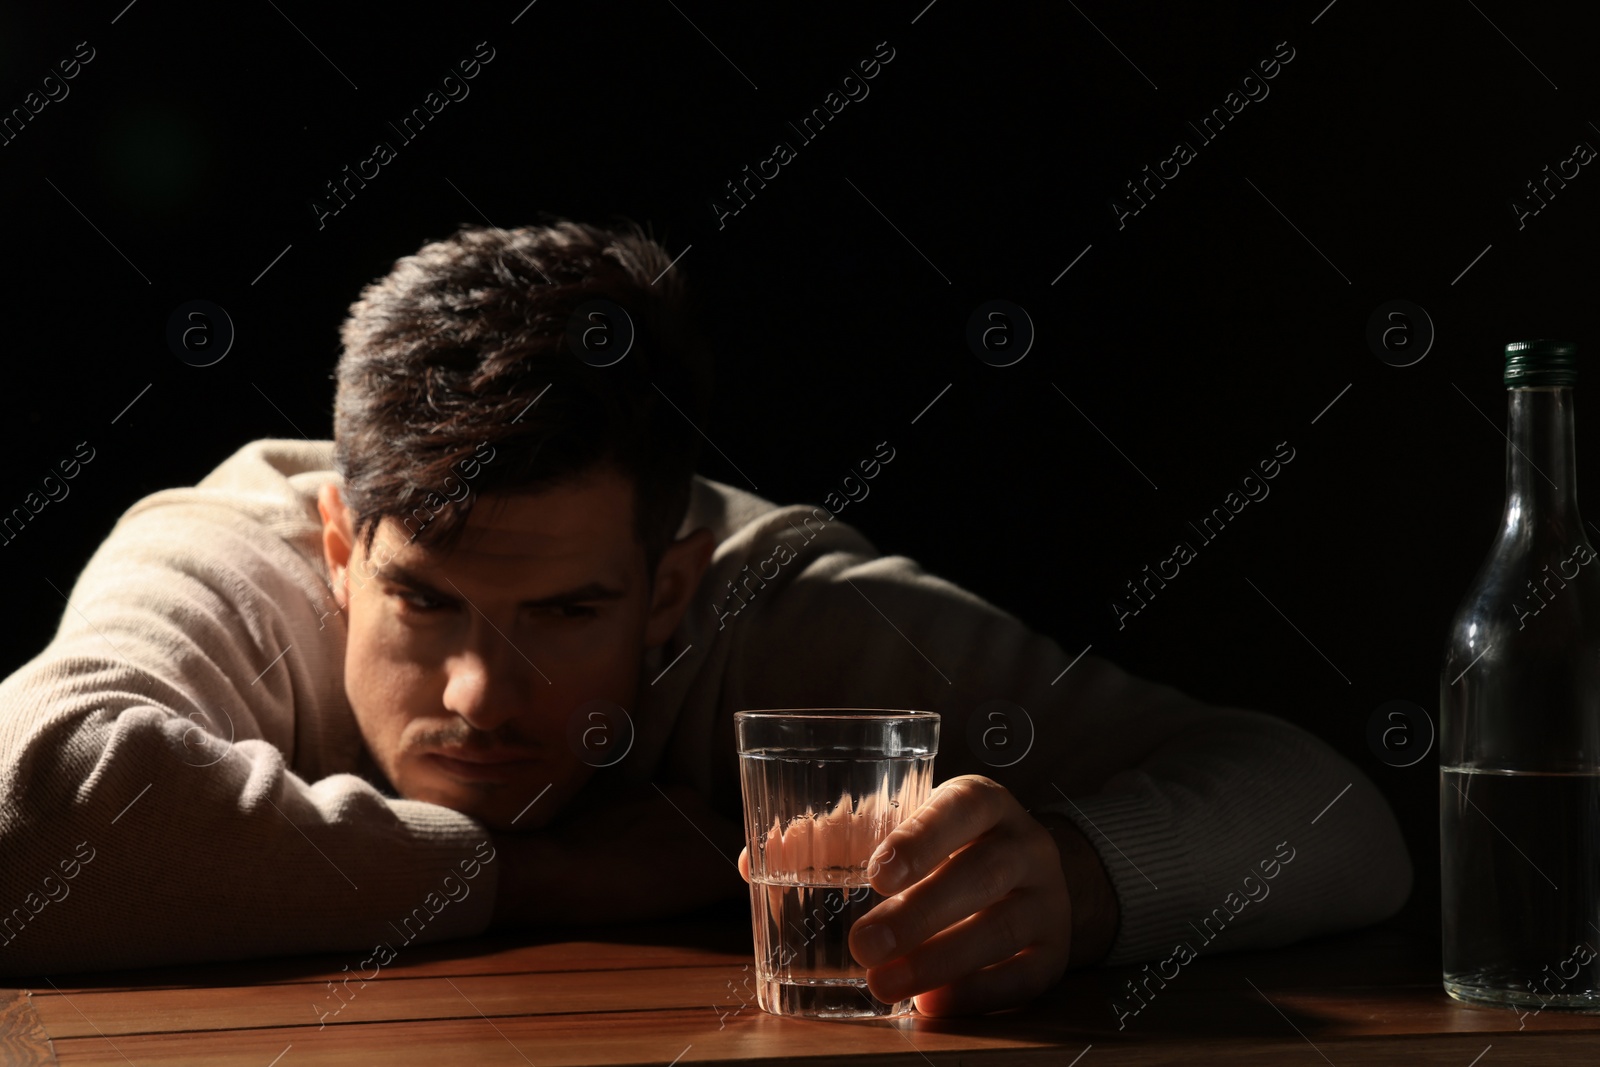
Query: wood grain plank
(685,944)
(1346,959)
(85,1014)
(1222,1005)
(1372,997)
(1227,994)
(551,1041)
(655,1038)
(23,1040)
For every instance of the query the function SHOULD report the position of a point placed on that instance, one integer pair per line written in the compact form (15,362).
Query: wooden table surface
(675,994)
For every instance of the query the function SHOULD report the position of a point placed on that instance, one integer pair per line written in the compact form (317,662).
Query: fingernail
(876,942)
(889,876)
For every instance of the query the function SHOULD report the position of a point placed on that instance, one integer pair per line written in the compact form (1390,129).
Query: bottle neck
(1541,471)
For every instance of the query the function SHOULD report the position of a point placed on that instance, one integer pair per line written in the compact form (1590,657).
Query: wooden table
(675,994)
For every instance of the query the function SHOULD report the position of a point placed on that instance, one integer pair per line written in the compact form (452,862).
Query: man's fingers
(744,863)
(970,881)
(956,813)
(992,935)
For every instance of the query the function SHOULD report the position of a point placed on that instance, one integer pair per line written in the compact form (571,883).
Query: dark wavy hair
(443,357)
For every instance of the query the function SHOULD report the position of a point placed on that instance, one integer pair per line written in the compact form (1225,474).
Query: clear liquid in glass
(809,877)
(1522,902)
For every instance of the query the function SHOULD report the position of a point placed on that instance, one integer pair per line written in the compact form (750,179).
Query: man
(475,666)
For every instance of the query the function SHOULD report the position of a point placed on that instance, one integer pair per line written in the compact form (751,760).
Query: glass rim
(855,714)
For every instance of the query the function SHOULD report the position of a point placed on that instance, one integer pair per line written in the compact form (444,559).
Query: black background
(1212,326)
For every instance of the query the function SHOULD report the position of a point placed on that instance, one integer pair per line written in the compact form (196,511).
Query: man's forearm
(1095,912)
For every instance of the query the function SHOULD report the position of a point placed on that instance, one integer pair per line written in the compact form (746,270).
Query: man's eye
(420,602)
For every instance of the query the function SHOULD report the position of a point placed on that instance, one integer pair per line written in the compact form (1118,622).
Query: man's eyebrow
(589,591)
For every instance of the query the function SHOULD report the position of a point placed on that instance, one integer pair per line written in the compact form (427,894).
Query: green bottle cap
(1541,362)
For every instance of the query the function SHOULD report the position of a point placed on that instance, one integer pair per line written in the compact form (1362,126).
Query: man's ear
(336,540)
(678,575)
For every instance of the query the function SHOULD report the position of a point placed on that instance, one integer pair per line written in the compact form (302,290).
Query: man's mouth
(482,766)
(486,755)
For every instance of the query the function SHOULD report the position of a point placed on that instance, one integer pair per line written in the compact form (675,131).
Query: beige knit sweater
(181,777)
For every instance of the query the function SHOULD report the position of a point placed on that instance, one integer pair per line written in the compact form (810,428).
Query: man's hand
(644,854)
(978,915)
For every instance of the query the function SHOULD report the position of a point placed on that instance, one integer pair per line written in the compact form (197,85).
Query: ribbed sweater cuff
(1148,863)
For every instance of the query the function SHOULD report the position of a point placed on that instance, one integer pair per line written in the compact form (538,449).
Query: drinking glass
(822,788)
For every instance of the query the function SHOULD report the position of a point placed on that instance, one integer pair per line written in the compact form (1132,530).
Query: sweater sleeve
(1205,817)
(149,810)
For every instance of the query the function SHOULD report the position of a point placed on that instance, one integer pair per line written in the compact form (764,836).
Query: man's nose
(485,688)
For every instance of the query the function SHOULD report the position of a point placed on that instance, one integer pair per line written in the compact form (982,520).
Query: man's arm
(1095,915)
(1180,801)
(148,813)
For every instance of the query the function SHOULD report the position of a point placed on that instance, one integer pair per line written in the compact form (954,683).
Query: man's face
(484,651)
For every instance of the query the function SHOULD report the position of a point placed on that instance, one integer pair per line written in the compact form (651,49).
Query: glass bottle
(1519,725)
